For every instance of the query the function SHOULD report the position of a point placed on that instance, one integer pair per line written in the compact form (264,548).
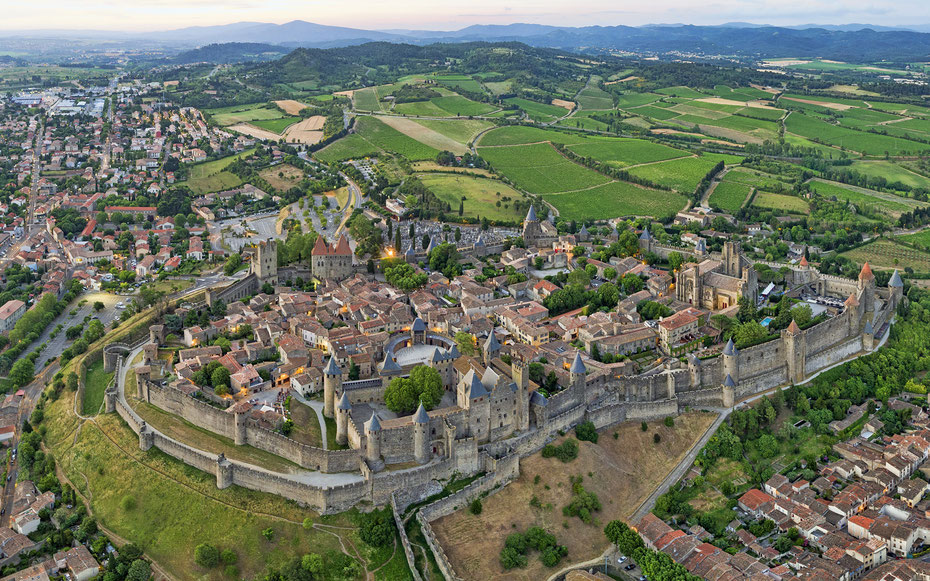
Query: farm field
(539,112)
(682,175)
(593,97)
(211,176)
(464,82)
(616,198)
(421,109)
(352,146)
(290,106)
(637,99)
(366,99)
(540,169)
(387,138)
(621,471)
(462,107)
(867,143)
(460,130)
(521,134)
(623,152)
(481,195)
(780,202)
(887,254)
(729,196)
(921,239)
(309,130)
(583,120)
(424,134)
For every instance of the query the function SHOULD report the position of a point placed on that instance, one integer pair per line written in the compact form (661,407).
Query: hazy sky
(445,14)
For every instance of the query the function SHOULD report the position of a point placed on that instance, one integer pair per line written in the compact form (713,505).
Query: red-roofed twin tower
(331,261)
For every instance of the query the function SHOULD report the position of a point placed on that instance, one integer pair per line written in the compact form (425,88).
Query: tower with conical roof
(731,360)
(332,383)
(729,391)
(577,373)
(373,442)
(866,287)
(343,412)
(421,451)
(795,352)
(896,286)
(491,348)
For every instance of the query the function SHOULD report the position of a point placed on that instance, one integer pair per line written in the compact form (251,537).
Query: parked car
(630,567)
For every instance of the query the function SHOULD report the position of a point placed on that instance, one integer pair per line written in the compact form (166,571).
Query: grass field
(683,175)
(390,139)
(621,471)
(729,196)
(921,238)
(211,176)
(421,109)
(636,99)
(481,195)
(178,507)
(593,97)
(282,177)
(276,125)
(879,201)
(464,82)
(423,134)
(623,152)
(781,202)
(539,112)
(887,254)
(366,99)
(891,172)
(616,199)
(541,169)
(95,384)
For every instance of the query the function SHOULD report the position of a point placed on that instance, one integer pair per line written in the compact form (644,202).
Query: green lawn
(481,193)
(95,384)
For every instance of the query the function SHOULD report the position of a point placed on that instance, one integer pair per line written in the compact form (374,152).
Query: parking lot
(60,342)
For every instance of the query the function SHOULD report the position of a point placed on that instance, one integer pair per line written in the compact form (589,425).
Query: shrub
(476,507)
(552,555)
(128,502)
(644,427)
(229,557)
(231,571)
(669,421)
(585,431)
(268,533)
(566,451)
(511,559)
(206,555)
(376,528)
(656,438)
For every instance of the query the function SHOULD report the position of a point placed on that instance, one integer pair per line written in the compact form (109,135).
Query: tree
(476,507)
(22,372)
(353,370)
(445,259)
(232,264)
(749,334)
(675,260)
(631,284)
(219,377)
(139,571)
(586,431)
(376,528)
(99,306)
(403,395)
(206,555)
(466,343)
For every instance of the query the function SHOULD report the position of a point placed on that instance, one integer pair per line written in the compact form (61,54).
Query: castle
(263,268)
(331,261)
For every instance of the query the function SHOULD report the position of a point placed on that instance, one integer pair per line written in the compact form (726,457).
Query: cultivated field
(520,135)
(540,169)
(891,172)
(352,146)
(482,196)
(621,471)
(243,113)
(729,196)
(424,134)
(682,175)
(887,254)
(888,203)
(616,199)
(256,132)
(211,176)
(290,106)
(308,131)
(625,152)
(276,125)
(539,112)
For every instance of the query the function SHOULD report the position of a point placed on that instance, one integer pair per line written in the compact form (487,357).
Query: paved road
(60,342)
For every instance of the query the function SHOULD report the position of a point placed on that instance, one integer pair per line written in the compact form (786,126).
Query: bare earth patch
(626,80)
(282,177)
(564,104)
(623,472)
(344,94)
(827,104)
(308,131)
(424,134)
(290,106)
(253,131)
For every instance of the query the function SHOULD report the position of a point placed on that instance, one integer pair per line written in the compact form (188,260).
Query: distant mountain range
(842,42)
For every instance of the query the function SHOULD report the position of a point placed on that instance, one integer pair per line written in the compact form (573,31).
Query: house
(79,562)
(146,266)
(11,312)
